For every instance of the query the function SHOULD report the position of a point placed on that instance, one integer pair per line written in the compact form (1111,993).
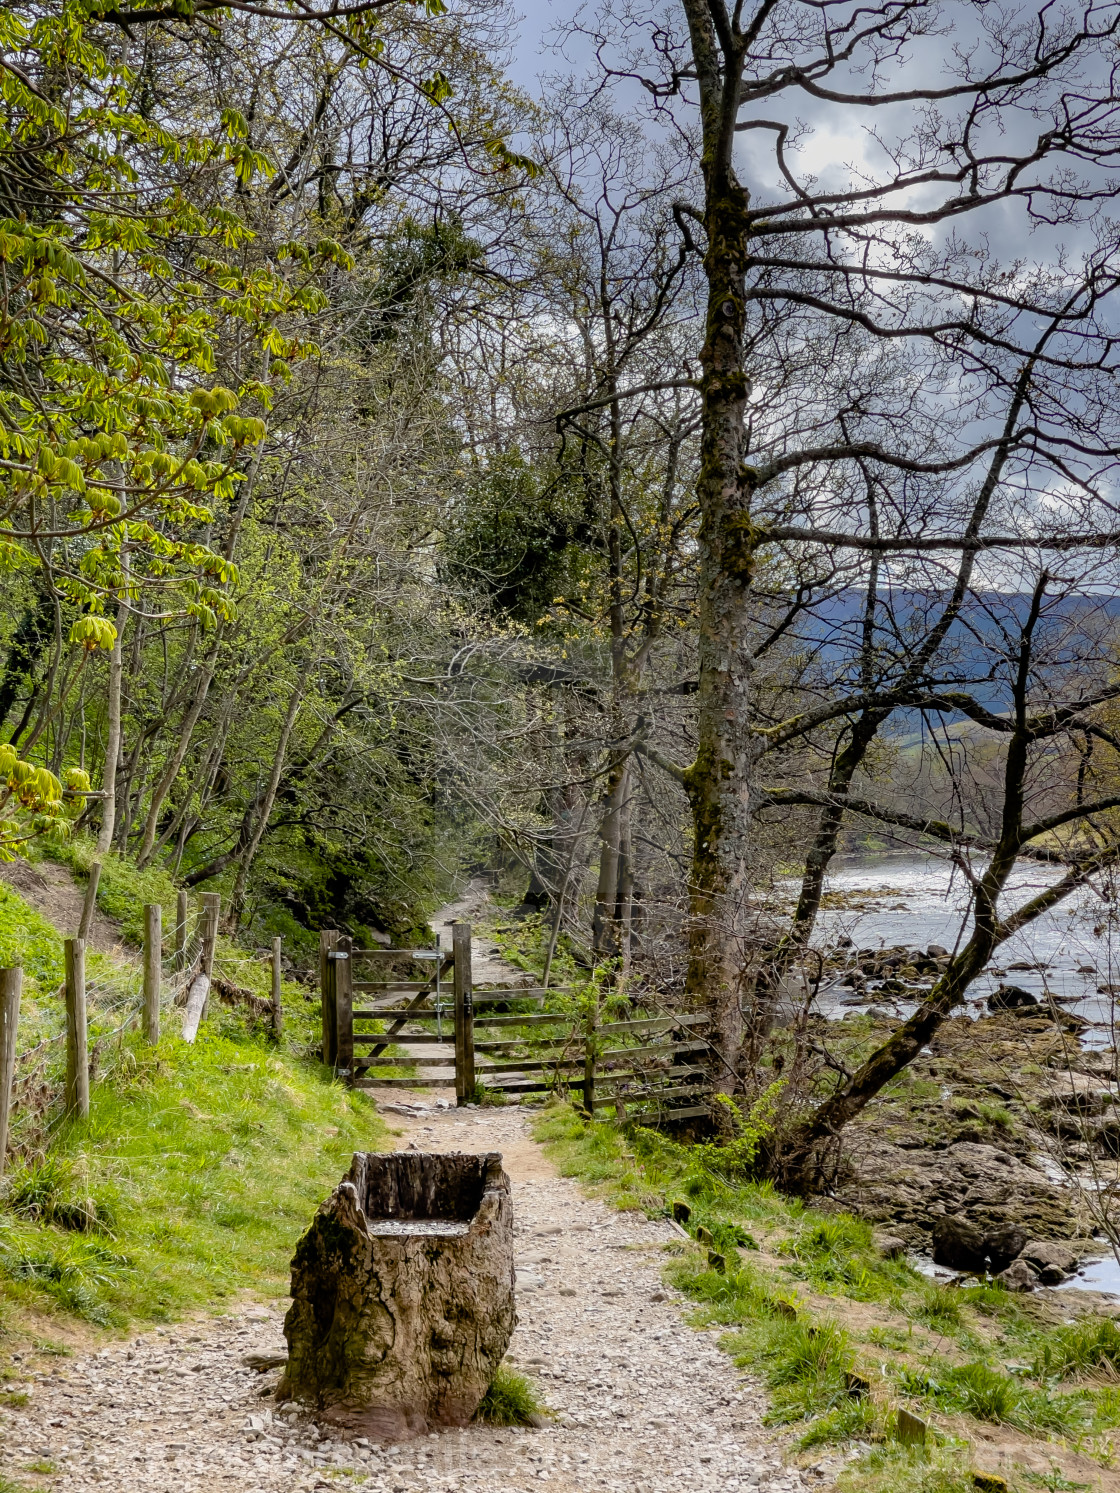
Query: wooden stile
(658,1073)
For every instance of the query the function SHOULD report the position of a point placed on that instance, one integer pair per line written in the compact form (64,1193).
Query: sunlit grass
(193,1178)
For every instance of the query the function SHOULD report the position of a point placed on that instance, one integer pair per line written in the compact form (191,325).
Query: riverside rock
(1003,1245)
(1018,1277)
(403,1294)
(908,1190)
(1011,998)
(958,1244)
(1053,1262)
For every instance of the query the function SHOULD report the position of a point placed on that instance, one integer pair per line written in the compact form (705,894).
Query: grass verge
(196,1172)
(843,1338)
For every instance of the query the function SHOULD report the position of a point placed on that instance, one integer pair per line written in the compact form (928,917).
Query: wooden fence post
(182,913)
(89,901)
(153,957)
(11,986)
(464,1013)
(77,1036)
(328,937)
(342,962)
(589,1041)
(211,908)
(277,1012)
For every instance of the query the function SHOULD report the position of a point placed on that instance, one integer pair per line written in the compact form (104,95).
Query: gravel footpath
(643,1403)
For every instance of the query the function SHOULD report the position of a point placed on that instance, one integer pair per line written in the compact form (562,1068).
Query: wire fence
(114,1004)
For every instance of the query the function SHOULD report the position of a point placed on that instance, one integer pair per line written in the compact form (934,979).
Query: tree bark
(403,1294)
(718,781)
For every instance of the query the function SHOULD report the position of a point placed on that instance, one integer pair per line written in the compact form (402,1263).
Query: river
(915,900)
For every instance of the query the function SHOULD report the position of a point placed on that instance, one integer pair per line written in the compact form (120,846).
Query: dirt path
(643,1403)
(488,969)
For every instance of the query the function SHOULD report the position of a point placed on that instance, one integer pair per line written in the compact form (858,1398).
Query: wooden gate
(423,1002)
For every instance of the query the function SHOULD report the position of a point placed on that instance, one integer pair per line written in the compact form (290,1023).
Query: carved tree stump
(402,1294)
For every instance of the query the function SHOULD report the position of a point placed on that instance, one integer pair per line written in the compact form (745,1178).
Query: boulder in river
(1018,1277)
(958,1244)
(1011,998)
(1004,1244)
(1053,1261)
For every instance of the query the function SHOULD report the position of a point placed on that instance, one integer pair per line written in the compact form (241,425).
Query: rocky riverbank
(1005,1122)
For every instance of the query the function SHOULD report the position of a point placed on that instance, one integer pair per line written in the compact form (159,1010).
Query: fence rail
(433,1022)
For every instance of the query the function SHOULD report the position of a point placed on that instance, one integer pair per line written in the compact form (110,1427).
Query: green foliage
(1053,1481)
(851,1420)
(804,1364)
(520,536)
(511,1400)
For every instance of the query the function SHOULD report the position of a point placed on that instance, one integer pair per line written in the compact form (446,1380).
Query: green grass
(1054,1481)
(122,889)
(1090,1348)
(897,1469)
(988,1394)
(937,1306)
(836,1256)
(198,1169)
(199,1166)
(511,1400)
(806,1362)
